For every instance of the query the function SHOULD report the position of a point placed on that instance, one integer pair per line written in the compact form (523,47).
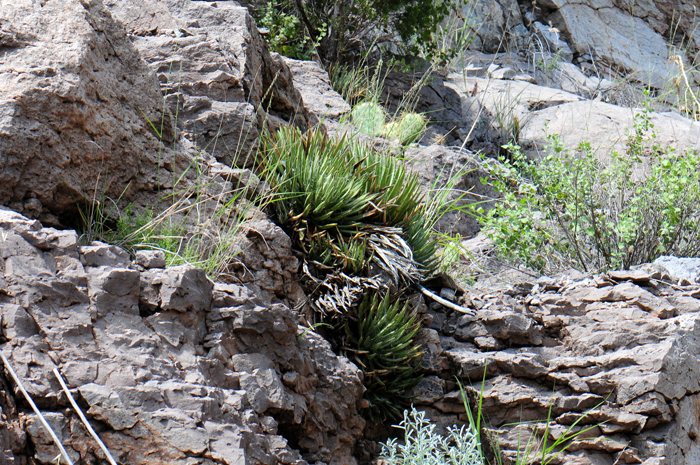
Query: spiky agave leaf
(382,342)
(317,190)
(419,235)
(399,197)
(400,202)
(332,189)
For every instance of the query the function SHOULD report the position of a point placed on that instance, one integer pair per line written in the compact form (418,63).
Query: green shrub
(369,118)
(287,36)
(407,129)
(352,24)
(569,210)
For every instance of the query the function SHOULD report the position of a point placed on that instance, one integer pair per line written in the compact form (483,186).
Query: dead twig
(35,408)
(82,417)
(445,302)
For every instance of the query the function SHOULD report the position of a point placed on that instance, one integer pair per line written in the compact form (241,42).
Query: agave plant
(335,197)
(361,219)
(382,342)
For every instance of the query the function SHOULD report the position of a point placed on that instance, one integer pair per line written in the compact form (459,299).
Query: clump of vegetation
(569,209)
(423,445)
(369,118)
(352,83)
(352,25)
(382,342)
(138,231)
(287,35)
(182,231)
(465,446)
(361,220)
(346,205)
(407,129)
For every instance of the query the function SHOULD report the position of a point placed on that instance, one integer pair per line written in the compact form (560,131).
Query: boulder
(209,373)
(605,126)
(618,38)
(221,83)
(76,108)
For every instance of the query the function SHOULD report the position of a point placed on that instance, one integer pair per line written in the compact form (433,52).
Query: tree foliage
(339,27)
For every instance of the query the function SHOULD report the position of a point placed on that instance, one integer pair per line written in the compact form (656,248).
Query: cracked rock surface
(618,352)
(220,81)
(170,367)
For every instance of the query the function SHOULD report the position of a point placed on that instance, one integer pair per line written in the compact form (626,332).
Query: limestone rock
(210,371)
(537,111)
(148,259)
(687,269)
(266,261)
(220,80)
(74,111)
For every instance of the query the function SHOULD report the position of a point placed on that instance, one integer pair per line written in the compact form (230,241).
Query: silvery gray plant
(423,446)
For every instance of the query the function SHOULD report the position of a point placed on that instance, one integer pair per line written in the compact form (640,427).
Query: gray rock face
(436,166)
(265,262)
(539,111)
(74,110)
(626,38)
(495,19)
(619,37)
(209,373)
(619,351)
(85,120)
(221,82)
(314,85)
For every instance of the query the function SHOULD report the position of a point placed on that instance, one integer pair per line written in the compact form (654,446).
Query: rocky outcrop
(76,104)
(170,367)
(459,173)
(85,120)
(616,38)
(628,39)
(497,23)
(502,103)
(617,352)
(314,85)
(220,81)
